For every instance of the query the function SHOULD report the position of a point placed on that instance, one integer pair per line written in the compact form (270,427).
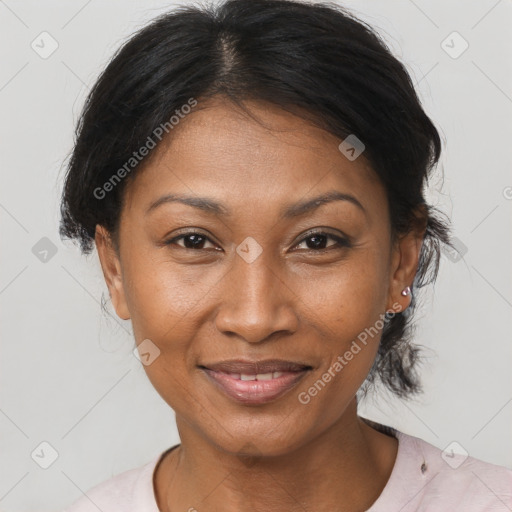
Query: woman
(252,176)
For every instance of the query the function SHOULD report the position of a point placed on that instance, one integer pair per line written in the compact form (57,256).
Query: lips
(255,382)
(256,367)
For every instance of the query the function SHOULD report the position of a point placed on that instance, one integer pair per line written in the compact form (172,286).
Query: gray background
(68,376)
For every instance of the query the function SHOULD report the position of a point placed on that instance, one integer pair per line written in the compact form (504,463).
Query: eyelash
(340,241)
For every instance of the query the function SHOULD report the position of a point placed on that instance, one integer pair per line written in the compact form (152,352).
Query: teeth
(259,376)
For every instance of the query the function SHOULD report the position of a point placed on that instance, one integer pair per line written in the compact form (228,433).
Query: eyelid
(182,234)
(341,240)
(323,231)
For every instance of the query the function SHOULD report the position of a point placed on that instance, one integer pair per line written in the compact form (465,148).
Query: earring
(406,291)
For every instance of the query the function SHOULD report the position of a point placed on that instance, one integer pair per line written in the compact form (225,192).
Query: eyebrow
(308,205)
(213,207)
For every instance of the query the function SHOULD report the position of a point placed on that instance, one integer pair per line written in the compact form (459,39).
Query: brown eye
(190,241)
(319,242)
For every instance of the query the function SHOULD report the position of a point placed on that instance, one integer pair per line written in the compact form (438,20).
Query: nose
(256,302)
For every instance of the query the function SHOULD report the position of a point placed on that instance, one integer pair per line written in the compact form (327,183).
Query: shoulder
(451,479)
(131,490)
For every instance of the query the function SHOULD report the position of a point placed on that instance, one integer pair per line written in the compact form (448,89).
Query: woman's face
(250,279)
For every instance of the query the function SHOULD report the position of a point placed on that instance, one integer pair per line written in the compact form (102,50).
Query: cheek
(347,298)
(166,305)
(164,297)
(347,307)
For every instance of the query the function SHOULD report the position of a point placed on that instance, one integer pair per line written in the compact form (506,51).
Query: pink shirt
(421,481)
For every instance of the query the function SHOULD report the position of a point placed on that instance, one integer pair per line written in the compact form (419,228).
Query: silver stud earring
(406,291)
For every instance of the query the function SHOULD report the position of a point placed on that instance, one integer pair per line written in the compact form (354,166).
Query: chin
(263,439)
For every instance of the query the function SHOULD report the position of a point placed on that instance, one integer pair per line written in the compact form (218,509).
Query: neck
(346,468)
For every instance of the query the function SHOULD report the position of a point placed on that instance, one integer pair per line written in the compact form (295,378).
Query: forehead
(220,151)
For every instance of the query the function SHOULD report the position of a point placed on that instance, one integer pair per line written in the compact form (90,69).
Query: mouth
(255,383)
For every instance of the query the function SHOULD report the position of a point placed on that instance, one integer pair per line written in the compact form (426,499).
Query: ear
(112,273)
(404,263)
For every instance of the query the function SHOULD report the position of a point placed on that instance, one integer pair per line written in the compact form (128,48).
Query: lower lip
(254,392)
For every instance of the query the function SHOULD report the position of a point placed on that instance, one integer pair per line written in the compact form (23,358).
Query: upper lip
(256,367)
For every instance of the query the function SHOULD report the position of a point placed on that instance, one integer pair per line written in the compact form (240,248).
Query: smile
(251,388)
